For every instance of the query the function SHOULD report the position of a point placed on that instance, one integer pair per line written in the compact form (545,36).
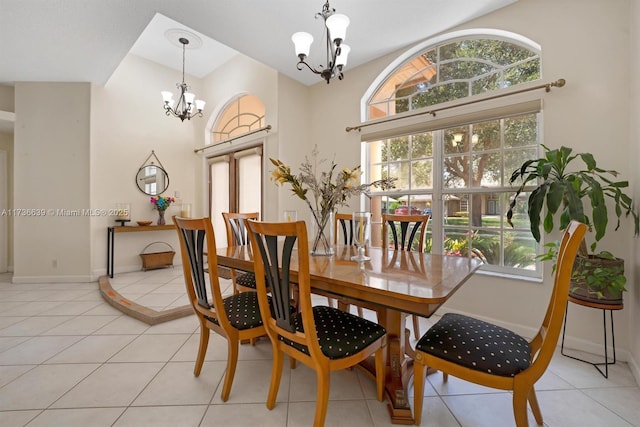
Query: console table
(111,231)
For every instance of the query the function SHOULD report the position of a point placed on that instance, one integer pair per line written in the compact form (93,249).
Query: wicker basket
(153,260)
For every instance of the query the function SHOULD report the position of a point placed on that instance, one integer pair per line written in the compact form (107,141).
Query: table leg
(398,366)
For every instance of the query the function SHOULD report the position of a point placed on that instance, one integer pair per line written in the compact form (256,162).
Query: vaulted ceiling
(85,40)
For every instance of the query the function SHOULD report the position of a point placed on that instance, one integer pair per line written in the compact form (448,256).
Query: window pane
(398,149)
(421,174)
(487,170)
(520,250)
(421,145)
(521,131)
(456,172)
(514,159)
(486,136)
(401,172)
(520,217)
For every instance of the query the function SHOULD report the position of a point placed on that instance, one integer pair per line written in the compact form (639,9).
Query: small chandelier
(185,108)
(336,29)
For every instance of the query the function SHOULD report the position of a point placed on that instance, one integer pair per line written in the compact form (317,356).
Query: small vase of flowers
(329,189)
(161,203)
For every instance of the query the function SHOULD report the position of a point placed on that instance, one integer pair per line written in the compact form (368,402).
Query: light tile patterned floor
(69,359)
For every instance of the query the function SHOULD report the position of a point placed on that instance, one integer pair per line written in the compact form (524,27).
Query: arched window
(452,70)
(457,166)
(242,115)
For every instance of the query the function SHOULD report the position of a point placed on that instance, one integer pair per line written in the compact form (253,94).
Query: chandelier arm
(313,70)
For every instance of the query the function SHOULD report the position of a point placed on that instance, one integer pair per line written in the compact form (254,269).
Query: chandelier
(186,106)
(336,29)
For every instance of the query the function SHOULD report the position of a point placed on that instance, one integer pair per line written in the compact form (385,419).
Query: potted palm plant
(597,276)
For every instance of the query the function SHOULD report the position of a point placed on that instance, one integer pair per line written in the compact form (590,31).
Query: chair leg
(360,313)
(416,326)
(535,408)
(322,397)
(520,406)
(232,361)
(380,373)
(202,349)
(418,390)
(276,374)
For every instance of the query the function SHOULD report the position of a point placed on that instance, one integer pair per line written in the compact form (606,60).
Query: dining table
(392,283)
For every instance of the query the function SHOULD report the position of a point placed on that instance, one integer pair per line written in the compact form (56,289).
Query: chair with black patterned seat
(492,356)
(235,317)
(324,338)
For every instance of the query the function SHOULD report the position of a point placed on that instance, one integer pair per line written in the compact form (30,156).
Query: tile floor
(69,359)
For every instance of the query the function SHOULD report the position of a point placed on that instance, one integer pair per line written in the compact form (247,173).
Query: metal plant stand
(604,307)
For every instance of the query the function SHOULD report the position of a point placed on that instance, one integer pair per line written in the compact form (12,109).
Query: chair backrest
(236,228)
(273,257)
(344,222)
(544,343)
(196,235)
(411,226)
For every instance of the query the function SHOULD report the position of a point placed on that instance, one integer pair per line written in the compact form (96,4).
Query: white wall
(633,297)
(51,172)
(127,123)
(587,43)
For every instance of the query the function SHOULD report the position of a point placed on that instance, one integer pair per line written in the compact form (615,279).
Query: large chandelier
(336,29)
(186,106)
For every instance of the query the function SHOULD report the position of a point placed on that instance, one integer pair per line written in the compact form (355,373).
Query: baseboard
(52,279)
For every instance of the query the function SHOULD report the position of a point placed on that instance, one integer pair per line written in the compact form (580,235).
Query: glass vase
(322,232)
(161,218)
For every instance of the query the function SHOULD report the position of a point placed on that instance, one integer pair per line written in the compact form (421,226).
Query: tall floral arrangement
(324,191)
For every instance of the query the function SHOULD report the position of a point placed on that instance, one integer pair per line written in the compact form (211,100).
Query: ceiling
(85,40)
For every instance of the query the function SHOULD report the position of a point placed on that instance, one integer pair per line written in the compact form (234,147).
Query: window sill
(509,276)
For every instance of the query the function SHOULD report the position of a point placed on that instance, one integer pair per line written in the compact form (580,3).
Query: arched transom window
(453,70)
(242,115)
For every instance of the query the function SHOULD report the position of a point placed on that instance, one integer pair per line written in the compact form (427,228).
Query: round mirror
(152,180)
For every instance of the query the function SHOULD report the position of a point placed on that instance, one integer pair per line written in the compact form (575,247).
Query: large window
(457,169)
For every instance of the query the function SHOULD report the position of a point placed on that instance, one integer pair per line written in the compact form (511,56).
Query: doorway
(235,185)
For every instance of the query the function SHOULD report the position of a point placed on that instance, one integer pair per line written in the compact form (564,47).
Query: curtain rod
(267,128)
(547,87)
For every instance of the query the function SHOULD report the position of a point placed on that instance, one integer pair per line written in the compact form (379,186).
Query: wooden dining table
(394,284)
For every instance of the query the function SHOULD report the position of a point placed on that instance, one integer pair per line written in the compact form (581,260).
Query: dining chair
(492,356)
(236,236)
(324,338)
(235,317)
(405,233)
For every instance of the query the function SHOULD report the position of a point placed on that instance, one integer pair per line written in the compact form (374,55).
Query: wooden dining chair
(236,236)
(496,357)
(235,317)
(324,338)
(405,233)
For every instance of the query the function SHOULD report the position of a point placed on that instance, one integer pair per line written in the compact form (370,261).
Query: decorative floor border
(137,311)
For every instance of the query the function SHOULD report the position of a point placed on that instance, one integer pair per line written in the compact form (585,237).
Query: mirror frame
(140,178)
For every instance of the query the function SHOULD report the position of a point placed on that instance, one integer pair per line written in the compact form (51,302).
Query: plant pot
(586,288)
